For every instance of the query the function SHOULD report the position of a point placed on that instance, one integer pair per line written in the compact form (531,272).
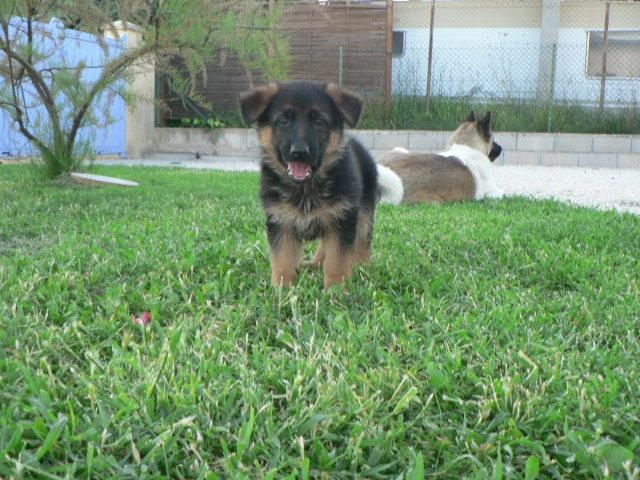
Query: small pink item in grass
(143,319)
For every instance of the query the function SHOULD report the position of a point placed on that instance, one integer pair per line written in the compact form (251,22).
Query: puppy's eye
(319,122)
(283,121)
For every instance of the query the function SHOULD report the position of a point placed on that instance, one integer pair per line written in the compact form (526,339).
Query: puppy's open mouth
(299,171)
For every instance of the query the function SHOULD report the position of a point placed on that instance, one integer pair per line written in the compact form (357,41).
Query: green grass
(486,340)
(509,115)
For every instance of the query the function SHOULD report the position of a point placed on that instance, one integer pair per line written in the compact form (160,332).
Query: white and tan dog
(461,172)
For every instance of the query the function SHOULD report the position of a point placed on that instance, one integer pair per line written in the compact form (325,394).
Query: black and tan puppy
(316,182)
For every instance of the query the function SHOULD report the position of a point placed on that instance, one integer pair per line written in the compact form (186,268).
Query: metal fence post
(549,30)
(604,53)
(389,58)
(430,57)
(553,85)
(340,66)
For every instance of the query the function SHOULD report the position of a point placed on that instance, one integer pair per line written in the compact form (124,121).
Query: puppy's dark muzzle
(495,152)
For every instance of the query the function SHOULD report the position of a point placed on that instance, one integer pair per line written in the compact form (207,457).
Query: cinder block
(611,144)
(253,141)
(629,160)
(635,144)
(535,142)
(389,140)
(254,149)
(521,158)
(230,141)
(559,159)
(183,140)
(598,160)
(507,140)
(427,141)
(573,143)
(365,137)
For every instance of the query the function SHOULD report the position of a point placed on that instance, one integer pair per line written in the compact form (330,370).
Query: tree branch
(111,72)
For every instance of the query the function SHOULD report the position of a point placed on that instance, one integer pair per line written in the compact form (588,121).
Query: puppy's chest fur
(307,208)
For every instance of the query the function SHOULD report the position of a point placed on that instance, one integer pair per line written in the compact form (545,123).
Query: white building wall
(502,63)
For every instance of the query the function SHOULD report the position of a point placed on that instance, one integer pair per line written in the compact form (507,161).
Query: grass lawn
(486,340)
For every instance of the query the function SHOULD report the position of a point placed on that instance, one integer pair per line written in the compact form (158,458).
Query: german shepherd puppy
(316,182)
(461,172)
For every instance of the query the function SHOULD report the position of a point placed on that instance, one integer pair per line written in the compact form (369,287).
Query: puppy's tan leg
(285,257)
(363,252)
(338,261)
(365,233)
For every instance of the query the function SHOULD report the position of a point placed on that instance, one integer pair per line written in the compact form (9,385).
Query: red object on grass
(143,319)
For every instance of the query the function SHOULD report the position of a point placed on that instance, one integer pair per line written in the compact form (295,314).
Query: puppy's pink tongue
(299,170)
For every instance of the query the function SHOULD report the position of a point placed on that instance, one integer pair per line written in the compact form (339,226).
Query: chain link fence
(538,50)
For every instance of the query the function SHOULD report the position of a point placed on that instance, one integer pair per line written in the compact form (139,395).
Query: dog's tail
(390,189)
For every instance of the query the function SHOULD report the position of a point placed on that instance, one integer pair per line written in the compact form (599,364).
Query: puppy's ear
(471,117)
(485,122)
(254,103)
(349,104)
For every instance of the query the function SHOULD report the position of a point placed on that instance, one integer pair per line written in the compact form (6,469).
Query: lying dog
(461,172)
(315,181)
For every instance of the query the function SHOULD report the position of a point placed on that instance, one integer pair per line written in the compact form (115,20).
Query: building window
(398,44)
(623,54)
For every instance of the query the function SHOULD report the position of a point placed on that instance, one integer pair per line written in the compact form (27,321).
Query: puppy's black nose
(299,151)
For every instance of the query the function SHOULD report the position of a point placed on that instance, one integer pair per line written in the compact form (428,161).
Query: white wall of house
(494,50)
(471,61)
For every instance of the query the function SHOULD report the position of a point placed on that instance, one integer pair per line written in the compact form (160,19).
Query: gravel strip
(600,188)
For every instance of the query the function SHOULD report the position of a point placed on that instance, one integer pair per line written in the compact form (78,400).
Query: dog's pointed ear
(254,103)
(471,117)
(485,122)
(349,104)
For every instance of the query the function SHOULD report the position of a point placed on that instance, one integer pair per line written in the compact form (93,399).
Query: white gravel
(600,188)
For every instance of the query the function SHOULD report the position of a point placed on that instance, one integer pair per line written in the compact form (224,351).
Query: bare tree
(50,98)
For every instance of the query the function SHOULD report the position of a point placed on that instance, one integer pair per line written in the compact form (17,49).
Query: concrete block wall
(566,150)
(231,142)
(570,150)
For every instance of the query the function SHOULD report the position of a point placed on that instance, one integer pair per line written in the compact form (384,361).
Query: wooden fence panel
(343,43)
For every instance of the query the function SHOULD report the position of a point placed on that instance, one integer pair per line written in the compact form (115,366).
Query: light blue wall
(67,49)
